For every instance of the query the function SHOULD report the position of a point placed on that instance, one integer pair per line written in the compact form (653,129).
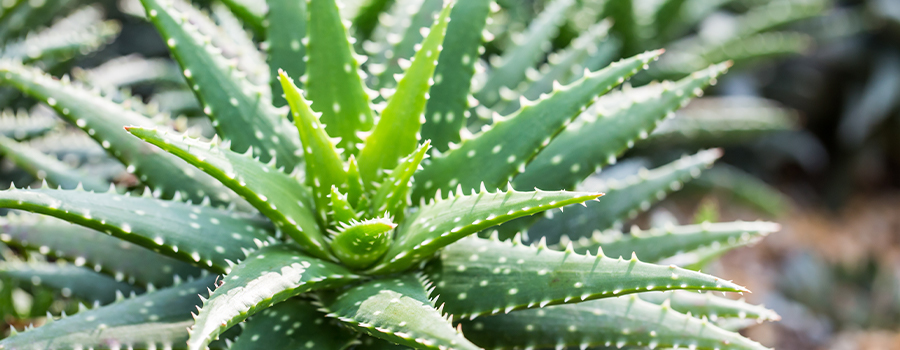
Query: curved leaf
(710,306)
(276,195)
(202,235)
(103,120)
(495,156)
(71,280)
(293,324)
(624,199)
(445,221)
(392,196)
(237,108)
(333,82)
(476,276)
(608,322)
(656,244)
(397,133)
(45,167)
(597,137)
(22,125)
(446,110)
(284,37)
(166,315)
(268,276)
(85,247)
(396,310)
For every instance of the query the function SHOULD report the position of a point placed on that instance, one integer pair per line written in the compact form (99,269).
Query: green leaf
(356,194)
(372,343)
(560,67)
(477,276)
(21,125)
(397,132)
(24,16)
(448,104)
(360,243)
(744,188)
(624,199)
(71,280)
(81,32)
(396,310)
(85,247)
(392,197)
(406,21)
(268,276)
(131,70)
(710,306)
(525,53)
(333,81)
(276,195)
(742,51)
(249,58)
(719,121)
(252,13)
(496,155)
(623,321)
(103,120)
(445,221)
(774,14)
(45,167)
(203,235)
(366,17)
(656,244)
(341,209)
(284,37)
(598,136)
(625,24)
(121,324)
(238,109)
(324,166)
(293,324)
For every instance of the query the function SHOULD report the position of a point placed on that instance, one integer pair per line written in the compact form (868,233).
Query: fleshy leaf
(356,194)
(239,111)
(624,199)
(71,280)
(710,306)
(597,137)
(333,82)
(397,132)
(609,322)
(251,12)
(397,310)
(293,324)
(559,67)
(85,247)
(23,16)
(82,31)
(625,24)
(276,195)
(284,37)
(341,209)
(446,110)
(445,221)
(360,243)
(719,121)
(526,52)
(393,193)
(406,21)
(743,188)
(268,276)
(121,324)
(103,120)
(131,70)
(21,125)
(46,167)
(495,156)
(203,235)
(659,243)
(324,166)
(477,276)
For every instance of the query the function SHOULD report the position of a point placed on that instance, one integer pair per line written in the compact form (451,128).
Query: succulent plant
(377,217)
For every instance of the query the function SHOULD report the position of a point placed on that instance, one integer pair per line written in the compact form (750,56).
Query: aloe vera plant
(366,223)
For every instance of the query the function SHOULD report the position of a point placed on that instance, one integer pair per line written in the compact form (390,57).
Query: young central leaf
(359,243)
